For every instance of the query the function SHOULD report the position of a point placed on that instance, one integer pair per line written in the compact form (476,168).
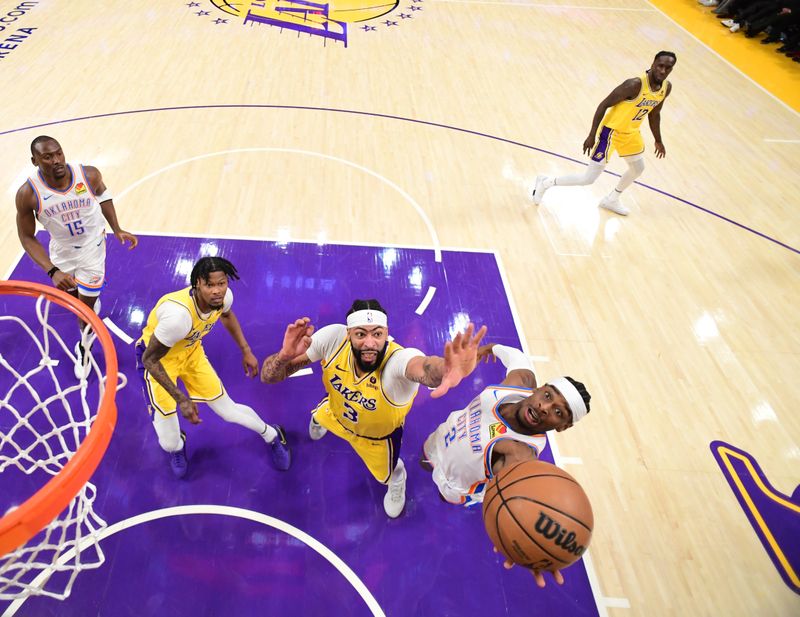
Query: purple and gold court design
(229,539)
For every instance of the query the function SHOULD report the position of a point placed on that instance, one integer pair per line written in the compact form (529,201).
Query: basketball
(537,515)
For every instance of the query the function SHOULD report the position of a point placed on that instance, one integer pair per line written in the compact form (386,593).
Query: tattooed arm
(152,363)
(292,356)
(460,358)
(276,368)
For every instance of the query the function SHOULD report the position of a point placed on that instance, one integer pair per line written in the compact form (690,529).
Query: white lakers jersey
(72,217)
(460,450)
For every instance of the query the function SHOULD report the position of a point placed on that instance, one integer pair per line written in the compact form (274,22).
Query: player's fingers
(558,577)
(539,578)
(468,334)
(480,335)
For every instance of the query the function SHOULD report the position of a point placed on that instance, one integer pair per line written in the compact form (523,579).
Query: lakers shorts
(86,263)
(195,371)
(610,140)
(379,455)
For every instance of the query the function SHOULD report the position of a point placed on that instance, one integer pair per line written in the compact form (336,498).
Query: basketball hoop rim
(20,525)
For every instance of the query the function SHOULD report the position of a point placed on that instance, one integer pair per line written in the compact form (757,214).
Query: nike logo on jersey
(46,197)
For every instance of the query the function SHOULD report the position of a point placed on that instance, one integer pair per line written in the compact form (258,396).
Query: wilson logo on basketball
(560,536)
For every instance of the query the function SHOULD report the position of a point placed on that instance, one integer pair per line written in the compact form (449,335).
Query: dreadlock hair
(206,265)
(581,390)
(362,305)
(671,54)
(39,140)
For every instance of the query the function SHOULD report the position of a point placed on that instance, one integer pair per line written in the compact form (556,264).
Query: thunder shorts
(86,263)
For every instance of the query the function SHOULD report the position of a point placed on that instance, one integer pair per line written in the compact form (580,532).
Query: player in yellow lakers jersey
(621,114)
(370,383)
(171,348)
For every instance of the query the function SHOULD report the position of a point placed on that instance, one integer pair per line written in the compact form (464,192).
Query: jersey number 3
(350,413)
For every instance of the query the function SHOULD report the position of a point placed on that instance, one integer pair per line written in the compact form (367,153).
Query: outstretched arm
(249,361)
(292,356)
(107,207)
(460,358)
(519,369)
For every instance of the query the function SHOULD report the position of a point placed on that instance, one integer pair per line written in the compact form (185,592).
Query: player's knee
(593,172)
(170,443)
(636,165)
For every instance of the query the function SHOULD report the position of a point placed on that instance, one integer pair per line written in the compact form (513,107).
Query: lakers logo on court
(327,20)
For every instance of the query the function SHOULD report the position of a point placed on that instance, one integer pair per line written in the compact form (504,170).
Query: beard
(371,366)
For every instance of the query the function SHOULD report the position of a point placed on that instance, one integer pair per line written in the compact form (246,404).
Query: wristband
(52,271)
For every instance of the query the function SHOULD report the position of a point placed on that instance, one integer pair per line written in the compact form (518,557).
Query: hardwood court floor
(681,318)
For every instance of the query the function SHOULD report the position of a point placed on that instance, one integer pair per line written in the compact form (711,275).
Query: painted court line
(117,330)
(616,602)
(594,582)
(725,60)
(426,300)
(256,517)
(302,371)
(465,131)
(374,174)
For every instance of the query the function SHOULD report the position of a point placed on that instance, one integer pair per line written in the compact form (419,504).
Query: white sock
(269,434)
(592,173)
(635,169)
(240,414)
(399,473)
(168,431)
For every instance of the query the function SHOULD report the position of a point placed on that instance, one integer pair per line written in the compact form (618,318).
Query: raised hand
(460,358)
(297,339)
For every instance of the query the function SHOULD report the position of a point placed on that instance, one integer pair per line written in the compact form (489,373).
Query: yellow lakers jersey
(360,405)
(627,116)
(200,326)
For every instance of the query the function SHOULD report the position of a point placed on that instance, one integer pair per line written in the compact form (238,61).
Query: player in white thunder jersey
(503,425)
(73,204)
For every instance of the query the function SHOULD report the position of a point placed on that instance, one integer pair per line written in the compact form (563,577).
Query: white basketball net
(42,424)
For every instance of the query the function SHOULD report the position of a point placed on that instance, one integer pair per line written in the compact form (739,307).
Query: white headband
(366,317)
(574,398)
